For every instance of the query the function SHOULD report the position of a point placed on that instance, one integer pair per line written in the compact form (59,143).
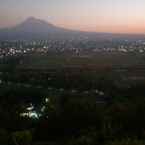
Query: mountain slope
(33,28)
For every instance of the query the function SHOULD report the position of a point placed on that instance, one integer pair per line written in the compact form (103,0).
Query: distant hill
(33,28)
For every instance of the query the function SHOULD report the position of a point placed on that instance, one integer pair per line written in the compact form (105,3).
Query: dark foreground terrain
(92,99)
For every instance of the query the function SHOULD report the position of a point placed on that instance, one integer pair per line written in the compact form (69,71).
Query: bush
(22,137)
(127,142)
(4,137)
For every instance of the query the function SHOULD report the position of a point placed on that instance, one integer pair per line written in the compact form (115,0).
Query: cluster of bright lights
(31,113)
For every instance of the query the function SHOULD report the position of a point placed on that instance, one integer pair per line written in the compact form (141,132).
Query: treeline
(73,118)
(87,109)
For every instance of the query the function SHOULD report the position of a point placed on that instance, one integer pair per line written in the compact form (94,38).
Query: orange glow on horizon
(117,16)
(131,26)
(113,29)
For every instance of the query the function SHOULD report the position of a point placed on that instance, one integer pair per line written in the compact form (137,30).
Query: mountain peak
(31,19)
(33,28)
(33,24)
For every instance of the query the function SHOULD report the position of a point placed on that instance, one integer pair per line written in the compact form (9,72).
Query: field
(91,60)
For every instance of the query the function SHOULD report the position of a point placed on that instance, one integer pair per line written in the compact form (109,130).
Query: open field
(93,60)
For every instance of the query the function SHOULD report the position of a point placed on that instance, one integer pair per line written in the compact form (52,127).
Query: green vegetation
(22,138)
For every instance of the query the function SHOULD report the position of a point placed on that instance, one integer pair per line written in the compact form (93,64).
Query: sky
(118,16)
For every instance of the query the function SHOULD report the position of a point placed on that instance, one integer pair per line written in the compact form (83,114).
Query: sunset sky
(121,16)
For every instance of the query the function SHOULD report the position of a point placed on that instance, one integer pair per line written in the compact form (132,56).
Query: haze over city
(117,16)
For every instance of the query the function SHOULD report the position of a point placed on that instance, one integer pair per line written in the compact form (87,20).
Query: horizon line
(71,29)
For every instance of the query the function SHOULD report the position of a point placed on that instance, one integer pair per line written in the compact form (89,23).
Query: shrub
(4,137)
(127,142)
(22,137)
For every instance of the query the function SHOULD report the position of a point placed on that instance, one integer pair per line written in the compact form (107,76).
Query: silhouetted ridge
(33,28)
